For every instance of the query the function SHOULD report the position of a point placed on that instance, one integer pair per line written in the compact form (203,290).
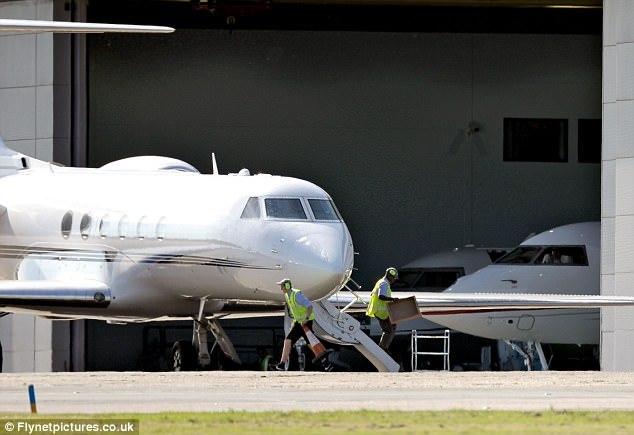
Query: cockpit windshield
(285,208)
(324,210)
(252,209)
(423,279)
(547,256)
(520,255)
(563,255)
(292,209)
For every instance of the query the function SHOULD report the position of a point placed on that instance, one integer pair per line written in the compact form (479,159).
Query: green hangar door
(430,127)
(426,141)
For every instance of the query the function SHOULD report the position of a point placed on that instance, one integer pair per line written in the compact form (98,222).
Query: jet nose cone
(323,260)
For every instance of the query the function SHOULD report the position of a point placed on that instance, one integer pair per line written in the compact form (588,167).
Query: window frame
(302,201)
(161,228)
(583,248)
(541,250)
(417,270)
(85,226)
(66,227)
(459,270)
(332,203)
(102,226)
(507,148)
(260,207)
(422,270)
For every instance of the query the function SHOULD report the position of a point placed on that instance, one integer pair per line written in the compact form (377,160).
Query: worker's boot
(281,367)
(328,366)
(324,360)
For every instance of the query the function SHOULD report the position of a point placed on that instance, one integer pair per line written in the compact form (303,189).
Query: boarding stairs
(339,327)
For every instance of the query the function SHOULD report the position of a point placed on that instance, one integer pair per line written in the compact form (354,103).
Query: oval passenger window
(67,224)
(84,226)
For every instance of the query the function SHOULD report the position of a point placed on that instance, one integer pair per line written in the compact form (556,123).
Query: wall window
(589,140)
(535,140)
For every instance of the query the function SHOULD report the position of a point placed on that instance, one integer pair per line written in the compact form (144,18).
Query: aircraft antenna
(214,164)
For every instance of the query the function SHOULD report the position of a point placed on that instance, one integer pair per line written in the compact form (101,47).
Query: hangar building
(420,103)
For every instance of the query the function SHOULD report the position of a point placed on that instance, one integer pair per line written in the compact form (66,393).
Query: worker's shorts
(298,331)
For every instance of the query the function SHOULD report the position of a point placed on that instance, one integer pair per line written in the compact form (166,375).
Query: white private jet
(564,261)
(520,297)
(151,238)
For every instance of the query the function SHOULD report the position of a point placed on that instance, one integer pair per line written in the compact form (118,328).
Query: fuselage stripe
(69,254)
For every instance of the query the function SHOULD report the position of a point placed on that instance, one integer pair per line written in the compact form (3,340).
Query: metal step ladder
(445,337)
(339,327)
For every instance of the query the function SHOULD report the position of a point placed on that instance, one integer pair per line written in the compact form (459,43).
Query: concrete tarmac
(96,392)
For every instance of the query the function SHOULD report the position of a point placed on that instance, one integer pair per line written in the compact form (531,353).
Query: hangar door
(385,122)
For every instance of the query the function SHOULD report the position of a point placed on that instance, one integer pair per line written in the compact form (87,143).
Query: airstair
(341,328)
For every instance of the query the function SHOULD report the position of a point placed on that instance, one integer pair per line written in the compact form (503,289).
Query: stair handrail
(354,293)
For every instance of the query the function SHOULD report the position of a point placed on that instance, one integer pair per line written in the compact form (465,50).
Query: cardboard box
(403,309)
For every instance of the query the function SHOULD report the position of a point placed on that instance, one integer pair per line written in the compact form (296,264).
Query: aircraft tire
(183,358)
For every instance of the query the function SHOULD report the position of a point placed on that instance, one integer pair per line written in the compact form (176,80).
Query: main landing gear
(195,354)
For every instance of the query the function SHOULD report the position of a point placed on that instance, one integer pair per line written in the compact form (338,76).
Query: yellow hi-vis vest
(378,308)
(297,311)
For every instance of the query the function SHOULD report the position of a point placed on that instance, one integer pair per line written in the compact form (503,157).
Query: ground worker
(300,310)
(380,296)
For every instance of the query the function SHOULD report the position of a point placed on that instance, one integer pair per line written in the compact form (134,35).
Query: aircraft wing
(432,303)
(436,303)
(41,293)
(74,27)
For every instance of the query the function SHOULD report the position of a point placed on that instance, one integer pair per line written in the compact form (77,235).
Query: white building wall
(26,82)
(26,125)
(617,196)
